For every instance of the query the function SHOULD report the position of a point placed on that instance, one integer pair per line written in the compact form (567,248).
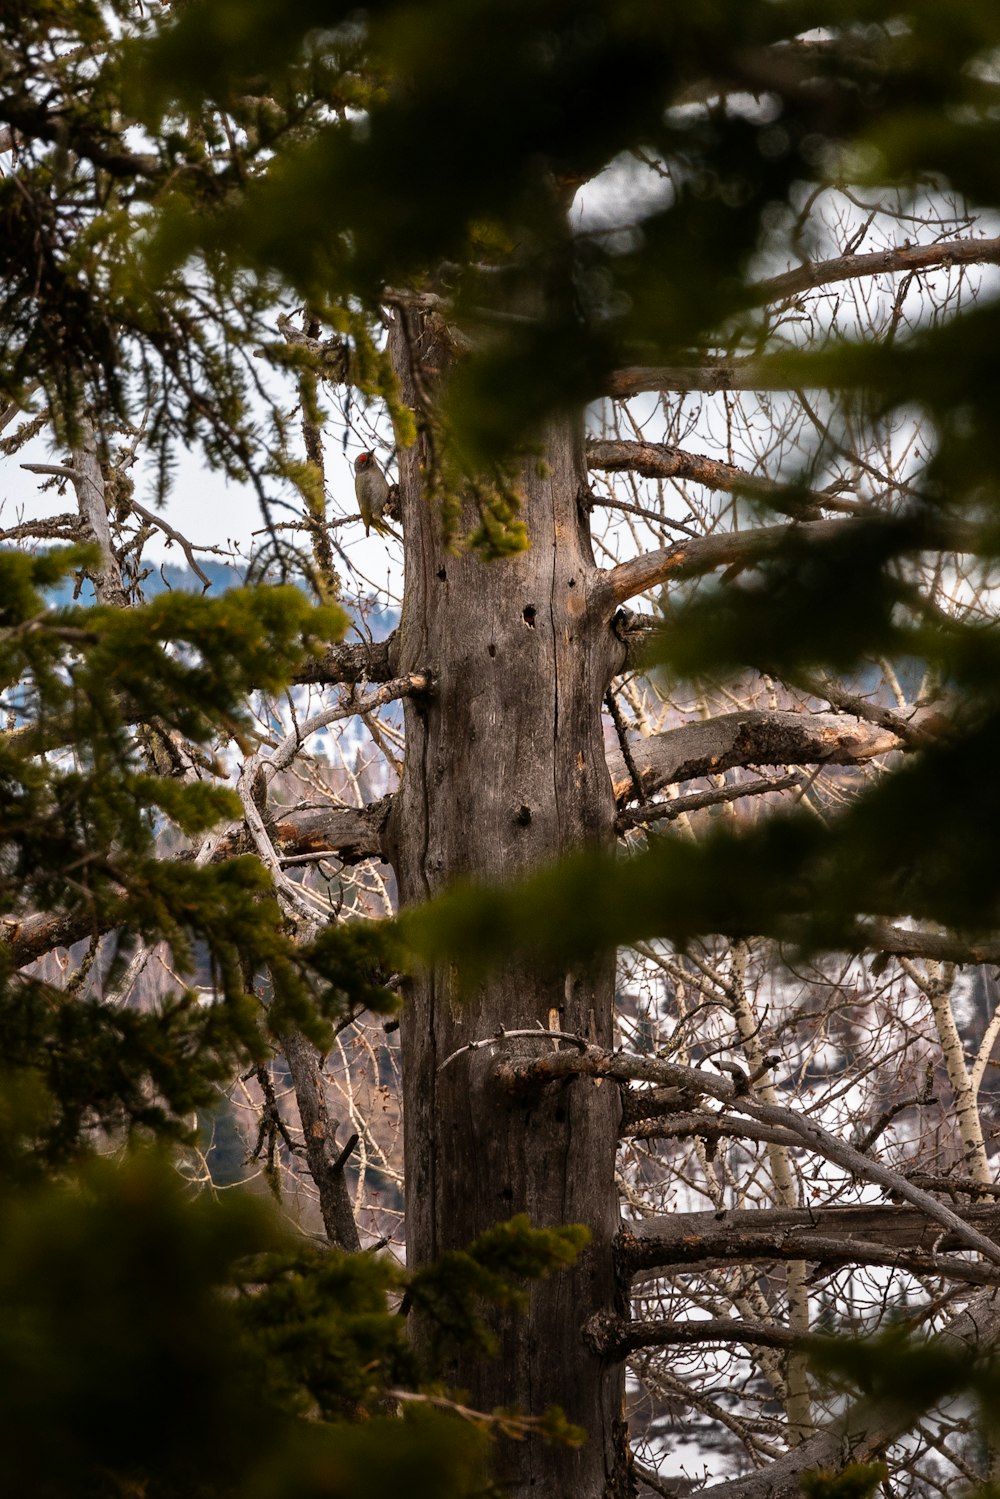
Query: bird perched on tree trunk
(372,490)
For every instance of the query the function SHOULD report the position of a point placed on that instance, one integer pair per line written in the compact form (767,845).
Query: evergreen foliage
(179,1348)
(78,822)
(182,1347)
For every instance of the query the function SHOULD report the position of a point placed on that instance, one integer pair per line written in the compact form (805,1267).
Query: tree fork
(506,771)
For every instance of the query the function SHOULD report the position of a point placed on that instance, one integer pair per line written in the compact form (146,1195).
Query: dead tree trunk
(505,771)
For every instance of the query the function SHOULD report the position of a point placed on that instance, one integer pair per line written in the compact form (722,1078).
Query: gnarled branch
(756,737)
(655,460)
(363,661)
(862,1233)
(616,1337)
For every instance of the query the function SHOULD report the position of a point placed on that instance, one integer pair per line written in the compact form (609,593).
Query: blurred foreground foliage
(549,95)
(920,844)
(150,1341)
(179,1348)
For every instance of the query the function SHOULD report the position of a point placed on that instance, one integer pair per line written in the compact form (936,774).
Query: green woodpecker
(372,491)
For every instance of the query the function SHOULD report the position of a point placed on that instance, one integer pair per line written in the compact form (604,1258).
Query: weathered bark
(841,1234)
(754,737)
(621,1336)
(505,770)
(354,661)
(89,484)
(349,834)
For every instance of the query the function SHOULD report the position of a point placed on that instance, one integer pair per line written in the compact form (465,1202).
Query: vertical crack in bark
(514,726)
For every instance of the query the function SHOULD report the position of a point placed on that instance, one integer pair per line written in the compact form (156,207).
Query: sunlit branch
(863,1233)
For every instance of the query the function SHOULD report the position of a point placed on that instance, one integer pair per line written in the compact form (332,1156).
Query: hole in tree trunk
(528,615)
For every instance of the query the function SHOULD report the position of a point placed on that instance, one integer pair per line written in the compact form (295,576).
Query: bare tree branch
(698,800)
(616,1337)
(658,461)
(319,1131)
(664,1122)
(628,1066)
(88,481)
(877,263)
(354,833)
(351,707)
(868,1233)
(868,1426)
(710,375)
(760,374)
(364,661)
(54,470)
(744,548)
(888,937)
(67,527)
(187,547)
(703,555)
(756,737)
(915,727)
